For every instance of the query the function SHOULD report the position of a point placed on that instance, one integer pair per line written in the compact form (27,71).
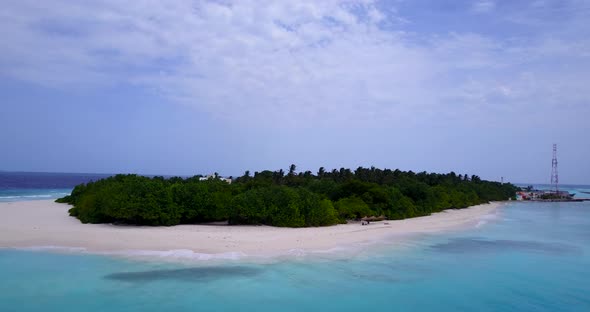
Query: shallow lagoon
(529,257)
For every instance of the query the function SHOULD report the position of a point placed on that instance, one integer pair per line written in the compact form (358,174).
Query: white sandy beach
(46,223)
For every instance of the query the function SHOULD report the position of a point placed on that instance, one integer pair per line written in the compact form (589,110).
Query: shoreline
(46,225)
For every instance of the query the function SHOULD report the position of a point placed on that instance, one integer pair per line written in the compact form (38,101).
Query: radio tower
(554,175)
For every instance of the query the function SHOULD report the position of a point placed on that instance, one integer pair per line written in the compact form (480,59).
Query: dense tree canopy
(279,199)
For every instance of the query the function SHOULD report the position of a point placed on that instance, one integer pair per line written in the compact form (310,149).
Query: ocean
(526,257)
(19,186)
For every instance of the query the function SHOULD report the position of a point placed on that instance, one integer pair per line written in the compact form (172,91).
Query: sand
(46,224)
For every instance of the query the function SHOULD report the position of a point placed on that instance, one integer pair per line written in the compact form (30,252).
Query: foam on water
(52,248)
(178,254)
(11,195)
(187,256)
(485,219)
(34,196)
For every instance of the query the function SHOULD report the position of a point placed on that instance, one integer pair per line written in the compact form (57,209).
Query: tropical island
(279,199)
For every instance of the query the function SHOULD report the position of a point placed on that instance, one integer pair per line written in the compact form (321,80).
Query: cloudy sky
(187,87)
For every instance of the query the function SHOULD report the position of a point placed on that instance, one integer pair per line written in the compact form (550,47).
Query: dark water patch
(474,245)
(386,270)
(42,180)
(188,275)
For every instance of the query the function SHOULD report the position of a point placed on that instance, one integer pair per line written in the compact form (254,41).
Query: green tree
(273,199)
(352,208)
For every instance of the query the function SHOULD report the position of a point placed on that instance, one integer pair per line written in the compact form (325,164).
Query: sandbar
(44,223)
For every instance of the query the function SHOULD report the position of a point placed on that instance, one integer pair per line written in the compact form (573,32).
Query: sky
(186,87)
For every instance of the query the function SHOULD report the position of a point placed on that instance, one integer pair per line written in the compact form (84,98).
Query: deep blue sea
(527,257)
(18,186)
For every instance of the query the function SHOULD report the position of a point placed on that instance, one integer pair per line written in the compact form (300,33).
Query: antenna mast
(554,174)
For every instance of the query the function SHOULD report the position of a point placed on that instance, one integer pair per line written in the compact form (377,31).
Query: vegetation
(556,196)
(275,198)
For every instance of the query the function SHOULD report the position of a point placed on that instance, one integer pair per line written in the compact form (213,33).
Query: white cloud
(483,6)
(287,62)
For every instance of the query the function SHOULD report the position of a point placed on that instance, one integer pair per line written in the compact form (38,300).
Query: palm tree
(321,172)
(292,169)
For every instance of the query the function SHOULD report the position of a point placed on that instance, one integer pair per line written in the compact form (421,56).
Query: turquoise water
(531,257)
(11,195)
